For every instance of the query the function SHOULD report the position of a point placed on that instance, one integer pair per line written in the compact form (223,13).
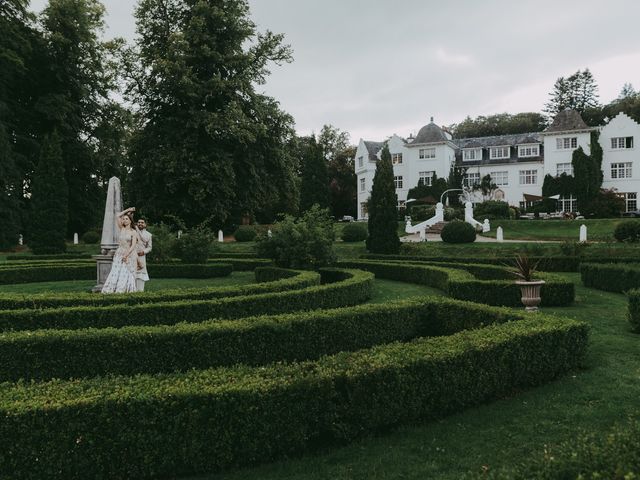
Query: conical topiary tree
(383,212)
(49,200)
(9,205)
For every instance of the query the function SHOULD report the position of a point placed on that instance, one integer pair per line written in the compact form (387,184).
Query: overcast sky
(374,68)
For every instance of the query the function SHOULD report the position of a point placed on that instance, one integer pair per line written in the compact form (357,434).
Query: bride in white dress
(122,278)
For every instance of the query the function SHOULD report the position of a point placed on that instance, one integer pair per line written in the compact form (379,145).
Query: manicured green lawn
(155,284)
(597,230)
(502,433)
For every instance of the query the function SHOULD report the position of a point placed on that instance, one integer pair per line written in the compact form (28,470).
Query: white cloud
(448,58)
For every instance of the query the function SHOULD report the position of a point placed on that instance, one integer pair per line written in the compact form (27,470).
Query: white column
(75,238)
(499,235)
(583,233)
(423,236)
(220,236)
(20,240)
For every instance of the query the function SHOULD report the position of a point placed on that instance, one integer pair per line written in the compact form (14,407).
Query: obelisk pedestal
(110,233)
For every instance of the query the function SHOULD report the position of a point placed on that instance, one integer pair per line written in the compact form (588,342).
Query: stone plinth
(103,267)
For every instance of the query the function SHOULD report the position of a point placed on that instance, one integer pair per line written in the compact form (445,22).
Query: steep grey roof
(373,148)
(498,140)
(430,133)
(566,120)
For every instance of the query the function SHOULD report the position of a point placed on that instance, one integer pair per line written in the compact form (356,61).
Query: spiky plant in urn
(524,270)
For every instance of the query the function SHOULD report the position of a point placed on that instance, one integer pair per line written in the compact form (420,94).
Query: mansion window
(618,143)
(471,179)
(631,201)
(621,170)
(528,177)
(426,178)
(427,152)
(496,153)
(363,210)
(398,181)
(564,168)
(528,151)
(472,154)
(566,143)
(567,204)
(396,158)
(363,184)
(500,178)
(360,162)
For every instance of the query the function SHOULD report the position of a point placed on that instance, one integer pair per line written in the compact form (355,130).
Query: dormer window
(497,153)
(618,143)
(427,152)
(360,162)
(567,143)
(525,151)
(396,158)
(470,154)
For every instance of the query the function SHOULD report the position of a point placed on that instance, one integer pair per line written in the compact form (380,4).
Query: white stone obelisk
(583,233)
(220,236)
(110,232)
(75,238)
(499,235)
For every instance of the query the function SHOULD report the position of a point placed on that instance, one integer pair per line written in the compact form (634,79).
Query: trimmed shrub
(194,246)
(354,232)
(494,287)
(353,288)
(164,244)
(252,341)
(244,415)
(243,264)
(627,231)
(610,277)
(245,233)
(633,310)
(305,242)
(91,237)
(458,232)
(492,209)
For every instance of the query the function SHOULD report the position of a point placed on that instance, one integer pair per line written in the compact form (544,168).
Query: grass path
(501,433)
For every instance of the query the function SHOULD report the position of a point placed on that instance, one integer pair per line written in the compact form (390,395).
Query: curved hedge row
(351,287)
(610,277)
(206,420)
(60,256)
(462,283)
(46,354)
(633,310)
(270,279)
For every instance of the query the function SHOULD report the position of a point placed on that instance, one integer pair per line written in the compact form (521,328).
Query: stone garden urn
(530,294)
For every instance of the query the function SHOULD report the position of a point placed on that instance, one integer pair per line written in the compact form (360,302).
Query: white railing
(422,226)
(468,217)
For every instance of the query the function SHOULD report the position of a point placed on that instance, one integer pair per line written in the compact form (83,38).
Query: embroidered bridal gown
(122,278)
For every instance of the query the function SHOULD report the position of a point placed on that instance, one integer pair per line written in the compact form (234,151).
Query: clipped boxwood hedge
(633,312)
(60,256)
(46,354)
(462,282)
(354,287)
(207,420)
(270,279)
(610,277)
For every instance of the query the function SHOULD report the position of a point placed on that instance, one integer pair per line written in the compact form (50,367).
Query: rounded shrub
(627,231)
(354,232)
(91,237)
(458,232)
(194,246)
(245,233)
(493,210)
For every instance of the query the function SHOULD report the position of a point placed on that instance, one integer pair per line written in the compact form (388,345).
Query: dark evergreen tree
(210,146)
(9,195)
(314,188)
(435,190)
(454,181)
(49,201)
(578,92)
(587,179)
(383,210)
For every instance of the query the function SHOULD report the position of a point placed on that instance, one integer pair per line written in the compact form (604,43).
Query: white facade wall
(621,127)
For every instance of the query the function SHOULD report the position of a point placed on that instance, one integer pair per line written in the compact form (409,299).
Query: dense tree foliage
(587,178)
(210,145)
(383,213)
(578,91)
(425,192)
(9,194)
(339,155)
(314,188)
(499,124)
(49,202)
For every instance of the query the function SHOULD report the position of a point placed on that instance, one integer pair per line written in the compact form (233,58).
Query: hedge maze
(182,382)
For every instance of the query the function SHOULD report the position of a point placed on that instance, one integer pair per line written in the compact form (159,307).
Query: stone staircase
(436,228)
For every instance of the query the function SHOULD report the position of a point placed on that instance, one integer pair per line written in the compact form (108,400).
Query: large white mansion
(517,163)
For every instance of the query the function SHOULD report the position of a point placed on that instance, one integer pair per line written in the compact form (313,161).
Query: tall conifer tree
(383,211)
(49,201)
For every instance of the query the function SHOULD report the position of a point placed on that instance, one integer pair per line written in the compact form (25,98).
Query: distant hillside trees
(499,124)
